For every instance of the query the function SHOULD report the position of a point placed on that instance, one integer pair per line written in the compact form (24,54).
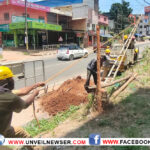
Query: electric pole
(98,91)
(26,26)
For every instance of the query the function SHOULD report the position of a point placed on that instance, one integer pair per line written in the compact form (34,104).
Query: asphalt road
(53,66)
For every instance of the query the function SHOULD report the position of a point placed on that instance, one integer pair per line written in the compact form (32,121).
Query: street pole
(26,26)
(98,91)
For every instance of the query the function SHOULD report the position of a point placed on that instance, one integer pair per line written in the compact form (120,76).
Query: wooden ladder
(122,54)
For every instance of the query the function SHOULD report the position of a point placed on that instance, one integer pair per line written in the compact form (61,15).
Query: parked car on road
(71,52)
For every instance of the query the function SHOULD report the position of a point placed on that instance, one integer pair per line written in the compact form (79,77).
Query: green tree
(119,13)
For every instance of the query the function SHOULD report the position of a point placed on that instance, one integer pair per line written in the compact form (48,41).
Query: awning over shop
(106,35)
(35,25)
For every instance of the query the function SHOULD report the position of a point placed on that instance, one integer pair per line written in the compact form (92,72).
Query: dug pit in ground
(71,92)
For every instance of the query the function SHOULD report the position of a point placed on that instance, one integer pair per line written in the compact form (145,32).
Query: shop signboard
(35,25)
(53,27)
(20,25)
(9,43)
(30,5)
(35,20)
(78,35)
(16,19)
(4,28)
(44,26)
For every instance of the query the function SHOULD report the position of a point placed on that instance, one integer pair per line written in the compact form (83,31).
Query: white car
(71,52)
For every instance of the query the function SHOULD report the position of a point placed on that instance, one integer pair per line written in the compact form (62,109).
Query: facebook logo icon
(94,139)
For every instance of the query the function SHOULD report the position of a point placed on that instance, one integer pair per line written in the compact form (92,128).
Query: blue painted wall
(56,3)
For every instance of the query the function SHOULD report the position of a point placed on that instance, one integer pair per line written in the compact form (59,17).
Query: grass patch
(91,99)
(130,132)
(26,53)
(48,125)
(104,122)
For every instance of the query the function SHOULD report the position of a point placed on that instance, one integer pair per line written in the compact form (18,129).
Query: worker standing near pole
(136,52)
(125,38)
(106,64)
(132,43)
(10,103)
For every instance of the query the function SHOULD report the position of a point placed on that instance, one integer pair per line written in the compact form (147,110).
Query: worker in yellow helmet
(106,63)
(125,37)
(136,52)
(10,102)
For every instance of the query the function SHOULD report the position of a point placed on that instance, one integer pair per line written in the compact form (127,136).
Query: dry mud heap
(71,92)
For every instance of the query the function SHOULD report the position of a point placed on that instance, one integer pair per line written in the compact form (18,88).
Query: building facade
(147,14)
(143,26)
(73,23)
(84,17)
(12,24)
(103,23)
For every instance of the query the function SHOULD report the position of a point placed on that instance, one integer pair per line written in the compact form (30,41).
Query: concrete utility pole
(26,26)
(98,91)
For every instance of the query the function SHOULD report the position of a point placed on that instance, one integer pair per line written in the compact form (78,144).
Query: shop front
(37,34)
(91,38)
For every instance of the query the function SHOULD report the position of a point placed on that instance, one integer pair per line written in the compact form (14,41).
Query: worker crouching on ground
(106,64)
(10,102)
(91,70)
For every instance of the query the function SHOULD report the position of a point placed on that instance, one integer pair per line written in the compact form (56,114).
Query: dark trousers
(135,57)
(89,73)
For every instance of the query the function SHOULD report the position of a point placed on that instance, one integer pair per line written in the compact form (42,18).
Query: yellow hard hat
(136,50)
(107,51)
(125,37)
(5,73)
(108,46)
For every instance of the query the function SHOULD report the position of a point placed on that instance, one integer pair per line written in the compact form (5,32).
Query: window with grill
(41,17)
(6,16)
(93,27)
(88,24)
(140,26)
(25,15)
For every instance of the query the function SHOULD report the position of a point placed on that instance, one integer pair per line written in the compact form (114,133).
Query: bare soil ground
(71,92)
